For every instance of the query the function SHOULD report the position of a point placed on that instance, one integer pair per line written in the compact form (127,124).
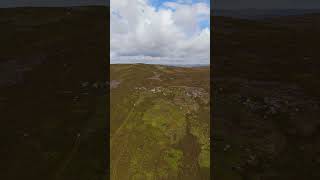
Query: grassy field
(160,122)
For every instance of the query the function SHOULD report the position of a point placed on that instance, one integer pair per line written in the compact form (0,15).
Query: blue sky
(160,31)
(159,4)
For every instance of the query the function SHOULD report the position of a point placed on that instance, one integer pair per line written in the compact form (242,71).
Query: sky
(160,31)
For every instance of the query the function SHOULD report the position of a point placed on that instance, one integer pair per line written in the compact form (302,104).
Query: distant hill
(56,3)
(261,13)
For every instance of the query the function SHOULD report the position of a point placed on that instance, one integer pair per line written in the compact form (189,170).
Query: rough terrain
(160,122)
(266,98)
(53,93)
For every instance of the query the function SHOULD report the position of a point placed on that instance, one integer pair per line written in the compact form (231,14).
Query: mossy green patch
(173,158)
(168,118)
(200,129)
(204,158)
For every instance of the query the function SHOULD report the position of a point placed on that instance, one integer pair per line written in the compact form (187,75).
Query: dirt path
(76,145)
(69,158)
(191,151)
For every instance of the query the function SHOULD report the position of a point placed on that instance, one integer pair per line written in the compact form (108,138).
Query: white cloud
(169,34)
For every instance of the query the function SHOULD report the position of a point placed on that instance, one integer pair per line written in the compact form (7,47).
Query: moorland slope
(160,122)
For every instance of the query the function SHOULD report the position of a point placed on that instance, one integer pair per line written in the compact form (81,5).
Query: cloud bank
(175,32)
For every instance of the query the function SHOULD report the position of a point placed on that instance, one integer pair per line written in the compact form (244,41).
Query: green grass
(148,125)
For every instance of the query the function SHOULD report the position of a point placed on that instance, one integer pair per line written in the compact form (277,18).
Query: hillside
(53,96)
(160,122)
(266,92)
